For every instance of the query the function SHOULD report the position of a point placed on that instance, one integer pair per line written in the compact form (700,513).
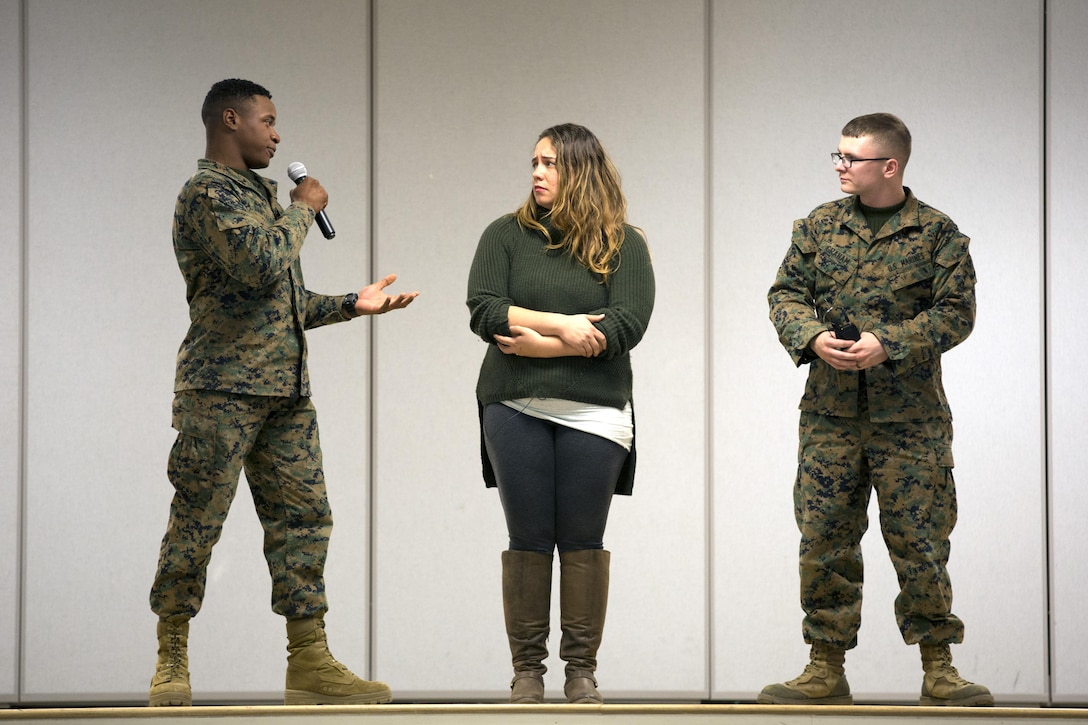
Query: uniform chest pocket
(907,276)
(836,264)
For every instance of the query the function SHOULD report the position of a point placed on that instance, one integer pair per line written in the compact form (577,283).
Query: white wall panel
(11,250)
(787,76)
(462,91)
(114,118)
(1067,268)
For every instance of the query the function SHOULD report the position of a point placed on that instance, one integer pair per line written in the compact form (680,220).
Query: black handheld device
(849,331)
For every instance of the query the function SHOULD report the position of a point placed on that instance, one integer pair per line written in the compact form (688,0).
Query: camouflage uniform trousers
(275,439)
(909,465)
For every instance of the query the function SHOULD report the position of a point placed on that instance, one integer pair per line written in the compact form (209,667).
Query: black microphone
(297,172)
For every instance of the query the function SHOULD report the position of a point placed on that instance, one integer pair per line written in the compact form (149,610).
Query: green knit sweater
(512,266)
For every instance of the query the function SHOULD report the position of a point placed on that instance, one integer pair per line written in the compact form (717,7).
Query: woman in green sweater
(561,290)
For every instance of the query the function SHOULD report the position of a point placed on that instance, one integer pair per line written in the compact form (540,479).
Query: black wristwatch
(348,305)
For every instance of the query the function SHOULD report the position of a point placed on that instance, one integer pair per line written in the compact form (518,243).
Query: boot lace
(817,669)
(813,671)
(174,664)
(173,668)
(950,674)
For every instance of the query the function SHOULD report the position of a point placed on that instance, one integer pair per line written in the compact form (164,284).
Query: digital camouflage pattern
(242,391)
(276,441)
(912,285)
(238,251)
(910,467)
(887,428)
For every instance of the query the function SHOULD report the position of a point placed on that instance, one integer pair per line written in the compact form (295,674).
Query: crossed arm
(550,334)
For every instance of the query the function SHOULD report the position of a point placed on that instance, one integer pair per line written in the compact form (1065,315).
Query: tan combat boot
(314,677)
(942,684)
(583,603)
(822,683)
(526,602)
(170,683)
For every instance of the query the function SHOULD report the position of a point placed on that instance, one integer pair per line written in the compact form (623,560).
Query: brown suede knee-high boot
(583,597)
(526,603)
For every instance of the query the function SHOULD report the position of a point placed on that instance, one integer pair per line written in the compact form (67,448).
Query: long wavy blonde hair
(589,208)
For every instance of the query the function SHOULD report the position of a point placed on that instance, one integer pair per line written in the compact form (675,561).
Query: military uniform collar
(905,218)
(252,179)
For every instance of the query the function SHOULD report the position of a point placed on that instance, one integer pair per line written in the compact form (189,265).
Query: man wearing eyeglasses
(874,288)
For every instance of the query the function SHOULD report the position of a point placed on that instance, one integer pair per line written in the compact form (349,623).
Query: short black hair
(228,93)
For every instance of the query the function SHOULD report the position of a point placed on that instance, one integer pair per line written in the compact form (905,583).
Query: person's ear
(230,118)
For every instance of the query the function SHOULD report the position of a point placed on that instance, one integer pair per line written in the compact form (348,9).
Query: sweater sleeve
(631,291)
(489,284)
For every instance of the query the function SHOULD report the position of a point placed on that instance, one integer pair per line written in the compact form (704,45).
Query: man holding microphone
(242,398)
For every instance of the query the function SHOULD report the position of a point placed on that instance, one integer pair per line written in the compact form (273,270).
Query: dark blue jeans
(555,483)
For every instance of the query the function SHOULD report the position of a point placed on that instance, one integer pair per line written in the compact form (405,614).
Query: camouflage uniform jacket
(912,285)
(238,251)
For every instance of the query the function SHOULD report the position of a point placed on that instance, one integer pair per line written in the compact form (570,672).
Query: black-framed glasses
(847,162)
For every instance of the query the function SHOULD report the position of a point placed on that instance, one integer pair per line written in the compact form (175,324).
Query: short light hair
(890,133)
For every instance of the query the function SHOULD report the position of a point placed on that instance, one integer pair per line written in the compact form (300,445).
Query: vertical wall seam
(24,286)
(1046,441)
(372,469)
(708,286)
